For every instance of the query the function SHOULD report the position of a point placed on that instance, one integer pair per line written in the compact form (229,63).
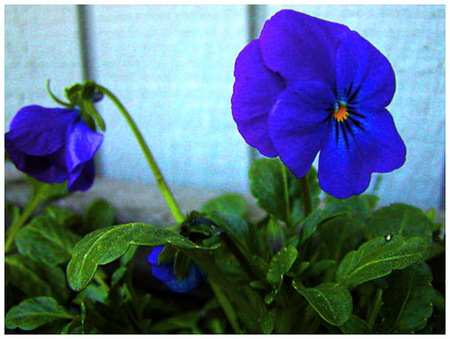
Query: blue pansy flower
(165,273)
(53,145)
(308,86)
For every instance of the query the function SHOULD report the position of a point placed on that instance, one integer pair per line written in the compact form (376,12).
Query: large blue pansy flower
(308,86)
(53,145)
(165,273)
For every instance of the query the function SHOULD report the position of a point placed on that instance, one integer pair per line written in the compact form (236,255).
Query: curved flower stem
(165,191)
(19,221)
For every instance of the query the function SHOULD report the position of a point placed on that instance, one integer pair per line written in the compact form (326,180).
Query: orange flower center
(341,113)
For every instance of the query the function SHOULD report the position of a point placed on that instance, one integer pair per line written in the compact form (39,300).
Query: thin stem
(19,221)
(226,306)
(170,200)
(376,308)
(286,193)
(306,195)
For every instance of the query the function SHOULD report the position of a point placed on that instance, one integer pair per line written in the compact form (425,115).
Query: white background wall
(172,66)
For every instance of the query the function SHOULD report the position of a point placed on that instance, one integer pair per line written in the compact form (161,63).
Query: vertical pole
(83,40)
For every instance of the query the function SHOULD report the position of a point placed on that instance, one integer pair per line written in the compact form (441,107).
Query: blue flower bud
(165,273)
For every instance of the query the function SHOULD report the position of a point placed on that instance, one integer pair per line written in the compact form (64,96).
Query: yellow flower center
(341,113)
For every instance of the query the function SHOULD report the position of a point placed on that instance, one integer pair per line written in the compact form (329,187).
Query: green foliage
(35,312)
(279,192)
(408,301)
(44,240)
(378,257)
(227,204)
(331,301)
(341,266)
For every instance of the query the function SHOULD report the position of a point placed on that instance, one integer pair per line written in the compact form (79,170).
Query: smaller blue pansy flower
(165,273)
(53,145)
(307,86)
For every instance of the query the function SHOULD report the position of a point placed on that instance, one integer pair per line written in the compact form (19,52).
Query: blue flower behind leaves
(307,86)
(53,145)
(165,273)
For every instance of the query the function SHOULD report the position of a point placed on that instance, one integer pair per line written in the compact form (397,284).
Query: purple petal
(342,170)
(39,131)
(364,75)
(82,177)
(378,141)
(254,93)
(82,143)
(299,123)
(49,169)
(301,47)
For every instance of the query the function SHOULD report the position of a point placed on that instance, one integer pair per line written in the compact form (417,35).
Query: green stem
(19,221)
(286,194)
(306,195)
(226,306)
(376,308)
(170,200)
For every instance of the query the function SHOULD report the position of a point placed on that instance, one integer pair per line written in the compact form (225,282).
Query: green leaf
(276,237)
(64,217)
(45,241)
(35,312)
(319,216)
(106,245)
(361,206)
(338,236)
(35,278)
(269,179)
(355,325)
(280,264)
(99,214)
(407,303)
(228,204)
(331,301)
(401,219)
(42,191)
(378,257)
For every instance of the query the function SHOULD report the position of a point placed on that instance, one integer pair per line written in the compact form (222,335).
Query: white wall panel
(173,68)
(40,42)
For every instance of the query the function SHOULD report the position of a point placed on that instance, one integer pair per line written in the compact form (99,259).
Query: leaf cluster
(312,264)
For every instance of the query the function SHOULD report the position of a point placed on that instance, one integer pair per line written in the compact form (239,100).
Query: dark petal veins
(299,123)
(82,177)
(342,171)
(41,131)
(82,143)
(380,144)
(364,75)
(301,47)
(254,93)
(48,169)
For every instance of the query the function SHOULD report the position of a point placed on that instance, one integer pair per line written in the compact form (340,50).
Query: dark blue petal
(49,169)
(364,75)
(301,47)
(194,278)
(254,93)
(154,255)
(39,131)
(299,122)
(379,143)
(82,177)
(82,143)
(342,169)
(165,273)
